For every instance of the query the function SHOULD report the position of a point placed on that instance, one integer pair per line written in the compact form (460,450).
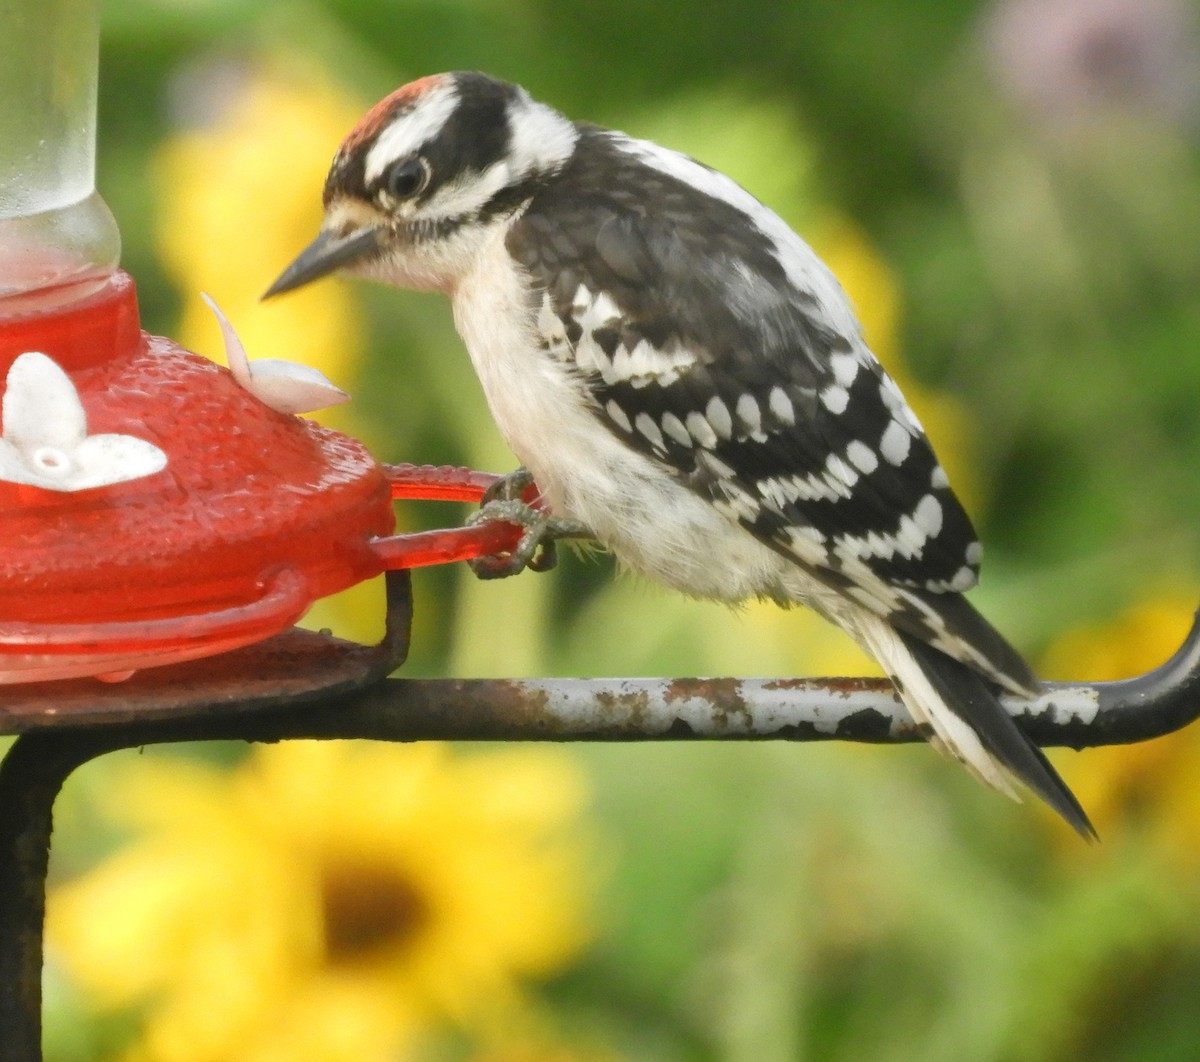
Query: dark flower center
(368,910)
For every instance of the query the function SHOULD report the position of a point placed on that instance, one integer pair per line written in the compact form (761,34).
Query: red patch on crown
(379,115)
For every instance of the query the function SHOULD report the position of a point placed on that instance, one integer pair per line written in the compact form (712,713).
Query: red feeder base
(255,515)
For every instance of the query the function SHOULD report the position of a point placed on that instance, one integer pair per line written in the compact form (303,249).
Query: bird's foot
(506,500)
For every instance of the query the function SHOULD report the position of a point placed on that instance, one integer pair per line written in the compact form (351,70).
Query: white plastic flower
(46,443)
(285,386)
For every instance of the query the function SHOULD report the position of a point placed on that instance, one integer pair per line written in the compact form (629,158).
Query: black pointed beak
(324,255)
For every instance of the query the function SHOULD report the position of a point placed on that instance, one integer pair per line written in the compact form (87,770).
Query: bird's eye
(406,178)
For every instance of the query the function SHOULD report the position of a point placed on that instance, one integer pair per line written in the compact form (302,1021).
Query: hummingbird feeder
(154,507)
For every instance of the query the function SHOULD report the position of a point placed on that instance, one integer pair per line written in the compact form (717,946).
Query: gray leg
(504,501)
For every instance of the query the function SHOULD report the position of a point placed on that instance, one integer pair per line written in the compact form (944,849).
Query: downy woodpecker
(683,376)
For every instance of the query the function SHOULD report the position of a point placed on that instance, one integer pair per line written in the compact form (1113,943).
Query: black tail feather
(955,613)
(970,697)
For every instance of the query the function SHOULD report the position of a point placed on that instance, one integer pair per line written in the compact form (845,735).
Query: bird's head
(426,175)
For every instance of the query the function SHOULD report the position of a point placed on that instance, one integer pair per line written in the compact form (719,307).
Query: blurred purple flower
(1069,62)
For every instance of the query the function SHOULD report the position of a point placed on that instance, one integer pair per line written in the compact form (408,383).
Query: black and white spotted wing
(699,347)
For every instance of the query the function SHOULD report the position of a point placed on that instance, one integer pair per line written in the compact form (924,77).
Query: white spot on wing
(895,443)
(717,414)
(835,399)
(772,490)
(808,544)
(845,368)
(720,469)
(910,538)
(674,427)
(639,366)
(893,398)
(740,503)
(961,580)
(619,367)
(701,430)
(591,358)
(749,414)
(928,515)
(881,545)
(781,406)
(890,393)
(646,427)
(645,361)
(841,471)
(618,416)
(824,486)
(862,457)
(599,311)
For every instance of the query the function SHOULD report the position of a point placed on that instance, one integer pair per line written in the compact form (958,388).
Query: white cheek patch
(539,137)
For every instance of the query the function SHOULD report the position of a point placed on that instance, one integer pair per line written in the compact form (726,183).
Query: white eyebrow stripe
(402,136)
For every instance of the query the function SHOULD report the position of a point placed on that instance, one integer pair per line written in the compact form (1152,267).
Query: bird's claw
(513,487)
(505,501)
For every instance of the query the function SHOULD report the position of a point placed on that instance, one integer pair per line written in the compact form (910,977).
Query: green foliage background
(773,903)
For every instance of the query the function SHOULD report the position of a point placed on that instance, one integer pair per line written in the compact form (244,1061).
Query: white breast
(653,524)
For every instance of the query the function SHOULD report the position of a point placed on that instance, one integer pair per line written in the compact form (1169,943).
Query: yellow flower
(327,900)
(233,215)
(1149,785)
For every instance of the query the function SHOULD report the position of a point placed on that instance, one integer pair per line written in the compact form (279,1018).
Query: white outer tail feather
(952,735)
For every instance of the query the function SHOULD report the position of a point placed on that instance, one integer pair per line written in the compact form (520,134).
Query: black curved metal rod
(1150,705)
